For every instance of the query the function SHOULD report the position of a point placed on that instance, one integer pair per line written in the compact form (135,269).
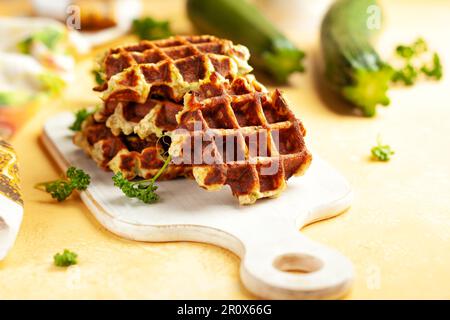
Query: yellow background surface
(397,233)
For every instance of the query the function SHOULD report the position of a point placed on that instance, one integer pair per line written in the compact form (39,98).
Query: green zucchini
(242,23)
(353,67)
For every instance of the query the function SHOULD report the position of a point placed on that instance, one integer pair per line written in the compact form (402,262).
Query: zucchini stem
(369,89)
(283,60)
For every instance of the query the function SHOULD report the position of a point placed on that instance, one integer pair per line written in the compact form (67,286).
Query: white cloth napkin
(11,204)
(10,219)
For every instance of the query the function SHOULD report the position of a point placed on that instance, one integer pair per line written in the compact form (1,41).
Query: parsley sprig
(98,76)
(150,29)
(65,259)
(435,71)
(143,190)
(61,189)
(415,49)
(80,116)
(413,63)
(382,152)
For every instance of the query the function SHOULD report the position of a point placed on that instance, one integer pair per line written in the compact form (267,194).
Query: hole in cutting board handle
(297,263)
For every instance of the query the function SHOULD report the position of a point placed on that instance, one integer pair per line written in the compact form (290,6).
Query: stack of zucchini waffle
(193,98)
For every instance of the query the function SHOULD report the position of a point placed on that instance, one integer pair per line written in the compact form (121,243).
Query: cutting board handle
(287,265)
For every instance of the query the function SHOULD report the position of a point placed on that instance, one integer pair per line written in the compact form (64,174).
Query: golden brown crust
(169,67)
(128,154)
(251,139)
(254,141)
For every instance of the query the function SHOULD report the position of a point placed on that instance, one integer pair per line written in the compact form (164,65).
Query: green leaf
(98,75)
(61,189)
(80,117)
(407,75)
(436,69)
(65,259)
(413,50)
(381,152)
(143,190)
(412,55)
(78,178)
(150,29)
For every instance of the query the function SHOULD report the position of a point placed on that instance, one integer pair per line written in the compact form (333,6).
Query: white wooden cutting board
(278,262)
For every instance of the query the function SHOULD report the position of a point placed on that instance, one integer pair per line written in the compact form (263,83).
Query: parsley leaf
(381,152)
(80,116)
(143,190)
(436,70)
(65,259)
(408,75)
(415,49)
(151,29)
(61,189)
(413,64)
(78,178)
(98,75)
